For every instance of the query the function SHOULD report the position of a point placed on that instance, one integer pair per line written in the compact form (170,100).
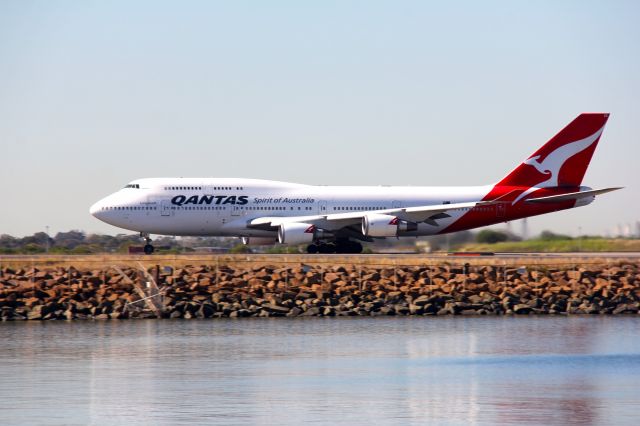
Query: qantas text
(179,200)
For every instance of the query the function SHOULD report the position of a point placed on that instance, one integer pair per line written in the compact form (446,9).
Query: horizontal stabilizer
(571,196)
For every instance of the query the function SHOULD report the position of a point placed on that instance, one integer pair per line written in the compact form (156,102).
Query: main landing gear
(338,246)
(148,248)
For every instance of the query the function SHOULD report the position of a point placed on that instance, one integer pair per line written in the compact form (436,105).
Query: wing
(331,222)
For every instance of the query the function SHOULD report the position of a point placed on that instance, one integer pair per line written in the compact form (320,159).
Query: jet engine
(258,241)
(383,225)
(296,233)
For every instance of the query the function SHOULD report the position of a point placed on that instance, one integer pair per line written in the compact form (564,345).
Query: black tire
(349,247)
(148,249)
(342,248)
(327,248)
(312,249)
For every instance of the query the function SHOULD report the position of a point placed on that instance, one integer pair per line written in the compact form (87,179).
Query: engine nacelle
(258,241)
(384,225)
(296,233)
(581,202)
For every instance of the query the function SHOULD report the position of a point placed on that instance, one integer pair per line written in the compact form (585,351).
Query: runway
(380,259)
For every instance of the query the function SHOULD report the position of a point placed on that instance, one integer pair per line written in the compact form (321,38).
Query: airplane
(336,219)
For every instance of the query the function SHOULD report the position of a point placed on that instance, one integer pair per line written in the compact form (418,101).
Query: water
(533,370)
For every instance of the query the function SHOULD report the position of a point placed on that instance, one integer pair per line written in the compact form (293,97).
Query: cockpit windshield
(133,185)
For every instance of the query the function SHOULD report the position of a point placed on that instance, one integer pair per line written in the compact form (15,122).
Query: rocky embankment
(210,292)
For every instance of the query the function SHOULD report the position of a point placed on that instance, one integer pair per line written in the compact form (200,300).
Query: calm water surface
(533,370)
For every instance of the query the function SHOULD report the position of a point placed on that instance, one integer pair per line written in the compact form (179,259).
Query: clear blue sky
(94,94)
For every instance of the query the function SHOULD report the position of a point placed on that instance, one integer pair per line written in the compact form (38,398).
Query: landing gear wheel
(312,249)
(355,247)
(347,246)
(327,248)
(148,248)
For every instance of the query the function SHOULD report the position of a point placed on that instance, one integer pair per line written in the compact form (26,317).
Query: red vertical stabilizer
(563,160)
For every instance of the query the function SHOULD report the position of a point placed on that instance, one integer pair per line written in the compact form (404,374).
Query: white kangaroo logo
(553,162)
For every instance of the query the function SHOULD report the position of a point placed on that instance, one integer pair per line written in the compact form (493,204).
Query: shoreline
(233,290)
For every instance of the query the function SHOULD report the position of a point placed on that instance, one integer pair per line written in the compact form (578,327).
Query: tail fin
(564,159)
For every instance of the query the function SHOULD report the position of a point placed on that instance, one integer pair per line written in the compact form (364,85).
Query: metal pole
(579,238)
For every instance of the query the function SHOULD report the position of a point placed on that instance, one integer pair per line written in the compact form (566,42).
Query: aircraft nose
(95,209)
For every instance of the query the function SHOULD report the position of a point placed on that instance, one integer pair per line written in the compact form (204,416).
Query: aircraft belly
(182,223)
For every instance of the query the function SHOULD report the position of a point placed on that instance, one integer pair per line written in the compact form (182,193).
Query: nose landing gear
(148,248)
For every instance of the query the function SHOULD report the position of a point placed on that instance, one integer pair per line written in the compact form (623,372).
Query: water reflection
(352,371)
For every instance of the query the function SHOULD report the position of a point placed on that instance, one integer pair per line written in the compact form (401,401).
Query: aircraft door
(322,207)
(165,208)
(500,210)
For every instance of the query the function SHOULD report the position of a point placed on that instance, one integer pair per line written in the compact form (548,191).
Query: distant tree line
(492,236)
(77,242)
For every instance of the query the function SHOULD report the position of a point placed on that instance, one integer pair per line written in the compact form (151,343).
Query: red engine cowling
(258,241)
(296,233)
(383,225)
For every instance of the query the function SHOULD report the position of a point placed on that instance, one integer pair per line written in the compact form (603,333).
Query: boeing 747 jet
(336,219)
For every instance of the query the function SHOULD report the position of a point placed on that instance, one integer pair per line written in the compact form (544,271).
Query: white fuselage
(223,207)
(331,218)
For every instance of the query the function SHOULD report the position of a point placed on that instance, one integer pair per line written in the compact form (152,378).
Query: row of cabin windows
(199,188)
(478,209)
(133,185)
(199,208)
(358,208)
(265,208)
(129,208)
(261,208)
(274,208)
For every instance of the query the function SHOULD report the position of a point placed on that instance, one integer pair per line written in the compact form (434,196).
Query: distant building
(616,231)
(525,229)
